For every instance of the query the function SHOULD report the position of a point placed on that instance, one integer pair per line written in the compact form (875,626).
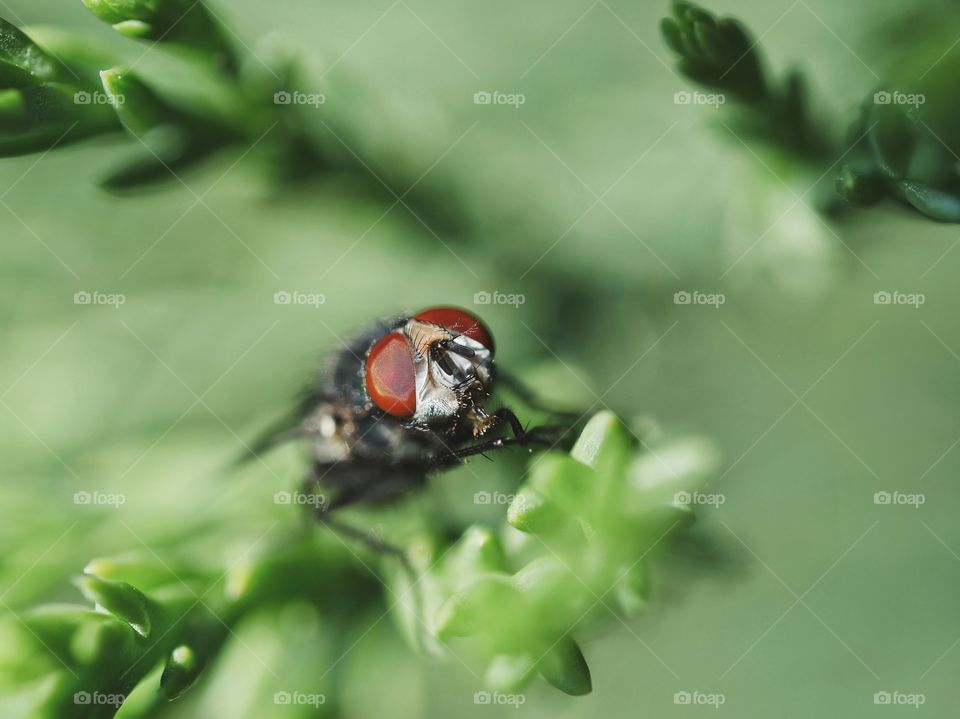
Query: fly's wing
(340,384)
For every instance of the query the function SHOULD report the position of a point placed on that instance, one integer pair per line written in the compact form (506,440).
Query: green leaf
(14,76)
(859,185)
(114,11)
(565,668)
(564,481)
(672,35)
(49,115)
(80,60)
(477,552)
(605,436)
(180,673)
(935,204)
(20,51)
(181,22)
(632,592)
(532,513)
(138,107)
(462,615)
(122,600)
(170,155)
(134,29)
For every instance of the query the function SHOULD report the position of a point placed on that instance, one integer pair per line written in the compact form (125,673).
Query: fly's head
(435,371)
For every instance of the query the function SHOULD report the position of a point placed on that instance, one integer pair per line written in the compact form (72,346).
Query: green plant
(59,89)
(903,150)
(576,549)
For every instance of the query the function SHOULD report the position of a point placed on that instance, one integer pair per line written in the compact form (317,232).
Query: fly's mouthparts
(460,349)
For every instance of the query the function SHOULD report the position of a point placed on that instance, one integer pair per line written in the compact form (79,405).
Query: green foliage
(907,140)
(906,150)
(185,23)
(721,54)
(38,99)
(73,661)
(577,549)
(230,102)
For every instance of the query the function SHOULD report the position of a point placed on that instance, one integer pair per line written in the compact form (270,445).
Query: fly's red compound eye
(391,380)
(460,321)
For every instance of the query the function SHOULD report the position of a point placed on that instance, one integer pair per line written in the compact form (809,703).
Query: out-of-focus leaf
(80,59)
(590,518)
(936,204)
(181,672)
(20,51)
(138,107)
(183,22)
(565,668)
(170,155)
(50,115)
(14,76)
(122,600)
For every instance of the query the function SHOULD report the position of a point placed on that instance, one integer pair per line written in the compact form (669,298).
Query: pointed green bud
(462,614)
(477,552)
(185,22)
(565,668)
(605,438)
(122,600)
(563,480)
(138,107)
(181,672)
(531,512)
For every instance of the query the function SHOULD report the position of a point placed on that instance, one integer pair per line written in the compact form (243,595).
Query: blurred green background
(597,199)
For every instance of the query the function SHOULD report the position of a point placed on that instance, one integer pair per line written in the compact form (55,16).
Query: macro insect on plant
(405,397)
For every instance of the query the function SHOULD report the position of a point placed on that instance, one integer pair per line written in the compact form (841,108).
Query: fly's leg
(360,483)
(354,483)
(548,437)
